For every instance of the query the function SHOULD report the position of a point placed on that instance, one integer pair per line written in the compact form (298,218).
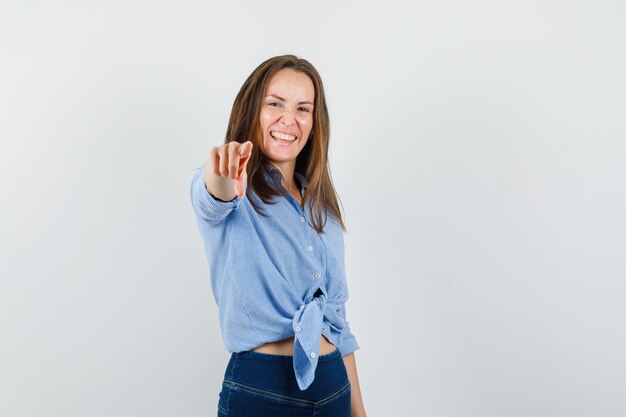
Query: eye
(273,102)
(305,109)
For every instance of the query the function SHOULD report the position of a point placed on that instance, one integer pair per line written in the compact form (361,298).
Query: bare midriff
(285,347)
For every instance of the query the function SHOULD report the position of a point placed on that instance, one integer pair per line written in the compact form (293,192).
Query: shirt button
(310,248)
(301,306)
(312,354)
(317,275)
(298,328)
(301,219)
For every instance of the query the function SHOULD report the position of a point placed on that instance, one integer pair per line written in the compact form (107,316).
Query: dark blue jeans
(264,385)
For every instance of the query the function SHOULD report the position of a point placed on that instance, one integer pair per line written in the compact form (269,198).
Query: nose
(287,118)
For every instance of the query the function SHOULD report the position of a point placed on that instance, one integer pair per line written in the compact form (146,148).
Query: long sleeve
(206,206)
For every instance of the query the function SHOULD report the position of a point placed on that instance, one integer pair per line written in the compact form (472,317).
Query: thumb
(241,182)
(245,151)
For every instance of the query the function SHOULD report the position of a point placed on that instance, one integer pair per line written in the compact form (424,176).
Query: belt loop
(232,370)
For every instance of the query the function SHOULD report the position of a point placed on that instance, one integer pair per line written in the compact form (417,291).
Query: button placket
(310,248)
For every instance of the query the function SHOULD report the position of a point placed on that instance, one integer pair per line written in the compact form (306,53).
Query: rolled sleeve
(348,343)
(208,207)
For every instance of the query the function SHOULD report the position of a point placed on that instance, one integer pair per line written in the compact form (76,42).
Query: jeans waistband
(251,354)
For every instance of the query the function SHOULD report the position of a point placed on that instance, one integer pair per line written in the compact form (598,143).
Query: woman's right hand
(225,174)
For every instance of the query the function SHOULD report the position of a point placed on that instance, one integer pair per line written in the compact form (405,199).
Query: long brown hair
(312,161)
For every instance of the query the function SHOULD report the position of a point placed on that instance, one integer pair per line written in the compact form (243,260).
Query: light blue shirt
(274,277)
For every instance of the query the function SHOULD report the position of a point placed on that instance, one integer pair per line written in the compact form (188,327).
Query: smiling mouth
(282,137)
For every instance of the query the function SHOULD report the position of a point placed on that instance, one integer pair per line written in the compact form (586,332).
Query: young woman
(273,233)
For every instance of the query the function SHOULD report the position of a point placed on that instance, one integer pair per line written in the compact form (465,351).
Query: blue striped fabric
(274,277)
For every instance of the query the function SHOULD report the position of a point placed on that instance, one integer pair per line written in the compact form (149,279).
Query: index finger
(245,150)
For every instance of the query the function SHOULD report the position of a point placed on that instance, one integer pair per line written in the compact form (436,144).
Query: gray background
(477,147)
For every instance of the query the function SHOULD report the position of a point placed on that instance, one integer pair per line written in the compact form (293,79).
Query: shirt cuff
(348,342)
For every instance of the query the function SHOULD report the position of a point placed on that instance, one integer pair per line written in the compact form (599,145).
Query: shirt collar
(275,173)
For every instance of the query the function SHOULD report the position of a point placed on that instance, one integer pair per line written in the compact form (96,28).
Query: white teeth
(277,135)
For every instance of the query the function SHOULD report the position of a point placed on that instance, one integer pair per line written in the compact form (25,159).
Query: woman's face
(287,109)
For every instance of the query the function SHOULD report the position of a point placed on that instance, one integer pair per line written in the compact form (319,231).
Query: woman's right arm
(216,186)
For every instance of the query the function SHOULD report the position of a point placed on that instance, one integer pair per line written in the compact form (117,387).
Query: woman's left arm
(356,401)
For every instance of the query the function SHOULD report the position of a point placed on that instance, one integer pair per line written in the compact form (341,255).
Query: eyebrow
(280,98)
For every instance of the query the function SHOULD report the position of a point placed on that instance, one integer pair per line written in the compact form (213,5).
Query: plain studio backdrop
(478,149)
